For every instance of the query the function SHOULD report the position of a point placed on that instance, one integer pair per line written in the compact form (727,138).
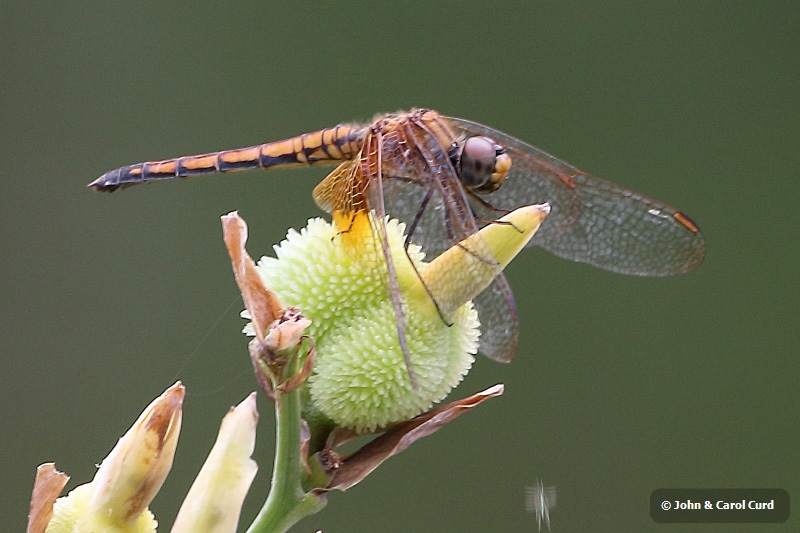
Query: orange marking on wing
(686,221)
(238,156)
(569,181)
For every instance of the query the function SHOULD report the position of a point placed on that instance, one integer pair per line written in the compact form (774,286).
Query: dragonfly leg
(413,226)
(490,207)
(451,237)
(486,204)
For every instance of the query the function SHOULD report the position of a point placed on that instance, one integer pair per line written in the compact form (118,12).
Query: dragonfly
(447,177)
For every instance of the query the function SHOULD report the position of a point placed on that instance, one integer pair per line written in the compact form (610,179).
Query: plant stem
(287,502)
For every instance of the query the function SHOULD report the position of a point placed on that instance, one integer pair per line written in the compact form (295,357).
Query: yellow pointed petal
(463,271)
(507,238)
(116,499)
(214,502)
(132,474)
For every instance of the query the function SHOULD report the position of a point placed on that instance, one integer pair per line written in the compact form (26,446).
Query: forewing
(372,194)
(430,200)
(591,220)
(405,200)
(447,218)
(339,188)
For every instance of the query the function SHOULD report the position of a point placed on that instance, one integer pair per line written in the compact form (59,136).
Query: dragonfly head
(482,164)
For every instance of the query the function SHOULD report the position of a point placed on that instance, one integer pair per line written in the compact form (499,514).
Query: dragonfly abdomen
(326,146)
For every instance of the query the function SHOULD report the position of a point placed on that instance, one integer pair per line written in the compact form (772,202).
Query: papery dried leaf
(262,304)
(48,485)
(340,436)
(287,330)
(397,438)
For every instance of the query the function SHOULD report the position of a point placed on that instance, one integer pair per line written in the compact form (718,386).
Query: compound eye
(477,161)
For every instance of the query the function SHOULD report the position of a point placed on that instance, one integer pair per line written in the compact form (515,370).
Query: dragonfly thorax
(482,164)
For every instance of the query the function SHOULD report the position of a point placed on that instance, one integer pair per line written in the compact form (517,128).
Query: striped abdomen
(326,146)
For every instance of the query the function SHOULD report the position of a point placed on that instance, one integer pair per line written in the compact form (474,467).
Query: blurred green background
(621,385)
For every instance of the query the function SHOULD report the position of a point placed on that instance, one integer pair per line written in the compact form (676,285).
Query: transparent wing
(499,325)
(591,220)
(408,201)
(370,196)
(495,305)
(421,189)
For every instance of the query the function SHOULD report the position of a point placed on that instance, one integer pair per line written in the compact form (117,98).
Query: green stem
(287,502)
